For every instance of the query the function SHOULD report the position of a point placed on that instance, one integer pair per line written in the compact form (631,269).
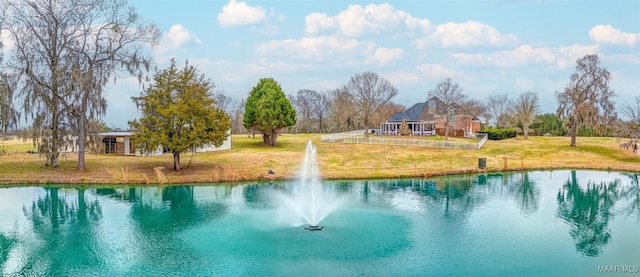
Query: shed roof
(116,134)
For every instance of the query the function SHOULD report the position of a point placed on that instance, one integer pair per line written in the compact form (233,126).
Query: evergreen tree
(178,113)
(268,110)
(404,128)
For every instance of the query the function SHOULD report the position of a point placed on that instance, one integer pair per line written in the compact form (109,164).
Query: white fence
(484,139)
(339,137)
(357,138)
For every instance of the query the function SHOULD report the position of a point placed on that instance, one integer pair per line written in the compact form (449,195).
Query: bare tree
(305,103)
(236,116)
(342,114)
(369,93)
(223,102)
(66,51)
(632,112)
(499,105)
(322,111)
(471,109)
(387,111)
(587,97)
(313,110)
(525,108)
(451,96)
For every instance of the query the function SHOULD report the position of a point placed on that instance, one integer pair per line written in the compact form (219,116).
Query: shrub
(495,133)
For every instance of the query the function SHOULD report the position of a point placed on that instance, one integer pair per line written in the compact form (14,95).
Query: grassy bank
(250,160)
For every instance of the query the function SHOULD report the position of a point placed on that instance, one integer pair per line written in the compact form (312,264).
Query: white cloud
(239,14)
(358,20)
(607,34)
(402,78)
(280,16)
(317,48)
(527,55)
(177,37)
(435,71)
(269,30)
(267,67)
(466,34)
(384,56)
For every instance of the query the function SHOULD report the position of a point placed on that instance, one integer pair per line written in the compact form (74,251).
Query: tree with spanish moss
(179,113)
(8,115)
(587,99)
(66,51)
(268,110)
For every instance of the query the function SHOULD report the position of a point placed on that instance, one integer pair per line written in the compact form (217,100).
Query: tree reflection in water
(6,244)
(526,194)
(158,243)
(631,193)
(588,211)
(66,232)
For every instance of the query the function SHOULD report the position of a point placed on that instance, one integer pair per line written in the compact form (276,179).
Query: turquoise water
(517,224)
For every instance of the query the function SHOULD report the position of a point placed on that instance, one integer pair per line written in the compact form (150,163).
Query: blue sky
(488,47)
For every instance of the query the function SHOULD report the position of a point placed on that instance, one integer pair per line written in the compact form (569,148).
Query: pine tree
(268,110)
(178,113)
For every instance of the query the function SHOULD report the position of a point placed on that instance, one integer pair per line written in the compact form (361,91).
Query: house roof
(417,112)
(411,114)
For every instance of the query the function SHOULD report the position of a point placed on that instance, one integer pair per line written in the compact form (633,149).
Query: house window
(109,145)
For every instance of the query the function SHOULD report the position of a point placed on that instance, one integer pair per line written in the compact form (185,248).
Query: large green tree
(548,123)
(587,99)
(268,110)
(178,113)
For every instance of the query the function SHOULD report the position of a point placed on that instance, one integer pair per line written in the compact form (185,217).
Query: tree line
(66,52)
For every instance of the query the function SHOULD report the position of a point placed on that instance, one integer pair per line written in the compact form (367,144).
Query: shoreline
(26,183)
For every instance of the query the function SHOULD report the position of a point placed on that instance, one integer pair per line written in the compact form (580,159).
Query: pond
(525,223)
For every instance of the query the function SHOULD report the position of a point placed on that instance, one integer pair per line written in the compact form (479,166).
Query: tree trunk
(525,132)
(366,128)
(446,131)
(53,144)
(176,161)
(574,132)
(81,142)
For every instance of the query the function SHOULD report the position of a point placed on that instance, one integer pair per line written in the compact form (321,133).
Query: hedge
(499,133)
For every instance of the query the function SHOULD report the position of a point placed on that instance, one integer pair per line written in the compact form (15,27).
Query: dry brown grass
(249,160)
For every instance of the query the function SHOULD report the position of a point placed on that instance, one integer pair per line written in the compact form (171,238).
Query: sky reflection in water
(536,223)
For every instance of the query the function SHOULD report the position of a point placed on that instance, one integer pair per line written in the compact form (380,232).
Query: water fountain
(309,202)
